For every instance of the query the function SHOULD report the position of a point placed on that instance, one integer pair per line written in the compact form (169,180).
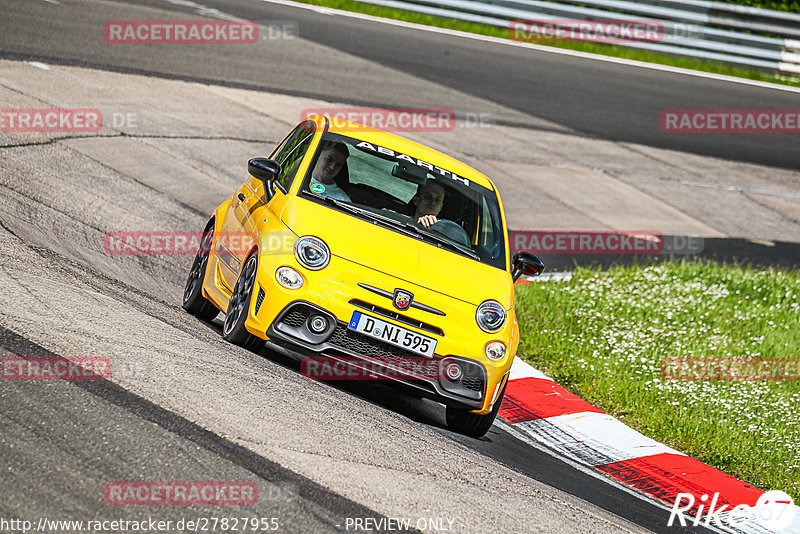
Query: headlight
(312,252)
(491,316)
(289,278)
(495,350)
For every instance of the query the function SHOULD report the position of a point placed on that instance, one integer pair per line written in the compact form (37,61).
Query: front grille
(297,316)
(367,346)
(387,354)
(399,317)
(475,383)
(473,377)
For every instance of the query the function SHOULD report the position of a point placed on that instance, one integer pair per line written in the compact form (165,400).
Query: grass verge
(603,335)
(779,5)
(595,48)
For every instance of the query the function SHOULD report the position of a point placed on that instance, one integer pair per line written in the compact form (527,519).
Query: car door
(248,203)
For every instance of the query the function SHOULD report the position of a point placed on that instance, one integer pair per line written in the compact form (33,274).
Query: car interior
(456,208)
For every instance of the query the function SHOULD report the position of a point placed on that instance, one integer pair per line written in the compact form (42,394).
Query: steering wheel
(452,231)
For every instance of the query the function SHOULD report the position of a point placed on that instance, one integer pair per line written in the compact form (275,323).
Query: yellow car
(350,246)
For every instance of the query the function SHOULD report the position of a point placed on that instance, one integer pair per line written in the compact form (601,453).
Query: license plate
(392,334)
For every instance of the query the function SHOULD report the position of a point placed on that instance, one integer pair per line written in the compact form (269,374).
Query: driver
(428,203)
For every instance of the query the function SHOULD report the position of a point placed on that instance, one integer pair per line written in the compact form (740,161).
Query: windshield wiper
(409,227)
(372,216)
(449,244)
(340,204)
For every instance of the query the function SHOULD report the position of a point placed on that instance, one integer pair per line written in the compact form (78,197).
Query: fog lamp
(495,350)
(453,372)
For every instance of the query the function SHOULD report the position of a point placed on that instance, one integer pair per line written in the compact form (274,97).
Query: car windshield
(397,190)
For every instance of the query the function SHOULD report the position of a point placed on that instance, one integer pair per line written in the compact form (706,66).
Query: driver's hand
(427,220)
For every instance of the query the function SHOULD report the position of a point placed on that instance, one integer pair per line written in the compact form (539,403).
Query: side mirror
(527,264)
(265,170)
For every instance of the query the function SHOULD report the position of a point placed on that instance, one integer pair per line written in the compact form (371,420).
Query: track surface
(95,432)
(604,100)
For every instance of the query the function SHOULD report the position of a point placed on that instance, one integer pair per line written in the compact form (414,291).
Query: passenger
(332,159)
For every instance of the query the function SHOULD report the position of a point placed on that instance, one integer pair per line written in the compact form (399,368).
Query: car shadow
(378,392)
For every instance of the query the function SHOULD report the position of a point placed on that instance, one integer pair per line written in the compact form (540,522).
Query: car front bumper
(373,359)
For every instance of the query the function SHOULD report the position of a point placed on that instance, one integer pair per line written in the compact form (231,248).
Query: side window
(291,152)
(490,234)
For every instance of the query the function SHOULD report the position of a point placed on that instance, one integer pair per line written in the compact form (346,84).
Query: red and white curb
(549,414)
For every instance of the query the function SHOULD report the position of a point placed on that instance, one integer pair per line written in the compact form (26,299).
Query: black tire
(193,300)
(473,424)
(233,328)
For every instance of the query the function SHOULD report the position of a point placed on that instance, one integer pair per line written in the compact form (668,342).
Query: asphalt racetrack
(593,98)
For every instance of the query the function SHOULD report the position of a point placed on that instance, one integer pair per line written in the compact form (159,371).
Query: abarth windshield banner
(369,147)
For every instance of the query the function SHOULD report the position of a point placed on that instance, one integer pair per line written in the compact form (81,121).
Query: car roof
(405,146)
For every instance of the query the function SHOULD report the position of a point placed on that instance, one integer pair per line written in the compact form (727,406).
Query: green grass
(595,48)
(603,335)
(780,5)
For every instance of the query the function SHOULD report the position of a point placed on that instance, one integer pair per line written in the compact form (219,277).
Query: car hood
(404,257)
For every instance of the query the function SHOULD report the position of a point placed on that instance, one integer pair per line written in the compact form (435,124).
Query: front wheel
(193,300)
(233,329)
(473,424)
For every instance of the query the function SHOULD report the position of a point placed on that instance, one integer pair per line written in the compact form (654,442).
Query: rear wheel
(473,424)
(193,300)
(233,329)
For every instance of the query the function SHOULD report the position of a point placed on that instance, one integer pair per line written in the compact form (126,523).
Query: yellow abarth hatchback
(353,247)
